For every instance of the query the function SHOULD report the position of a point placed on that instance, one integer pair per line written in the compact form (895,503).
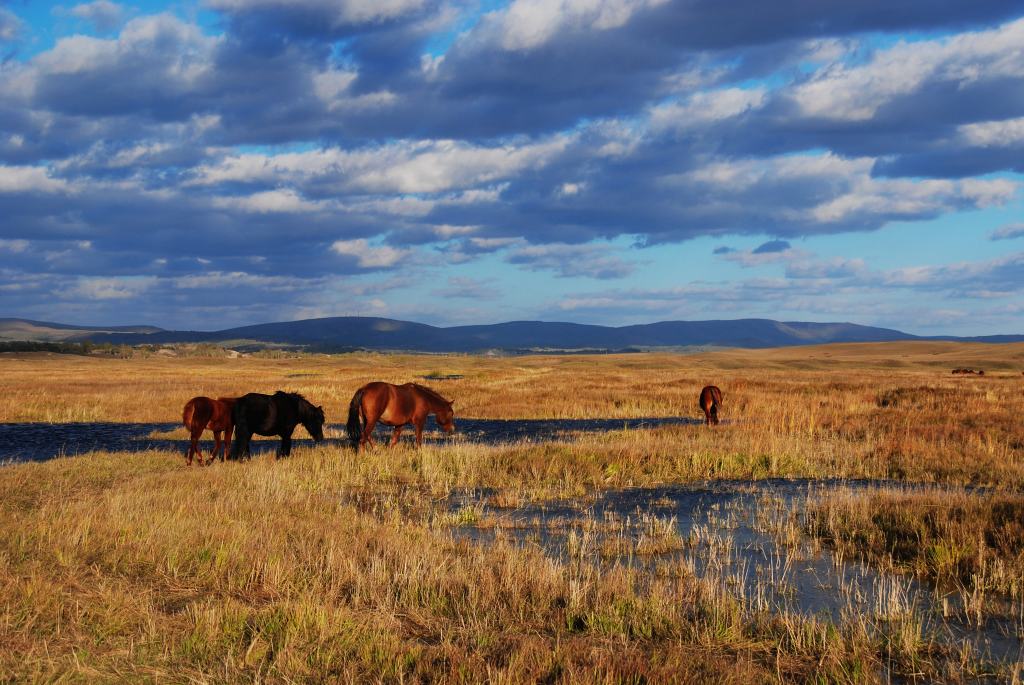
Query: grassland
(133,567)
(885,410)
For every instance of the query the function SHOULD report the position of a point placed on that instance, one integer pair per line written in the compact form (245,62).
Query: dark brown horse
(395,405)
(277,414)
(710,401)
(203,413)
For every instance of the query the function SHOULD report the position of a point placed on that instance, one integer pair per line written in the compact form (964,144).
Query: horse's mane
(293,395)
(430,392)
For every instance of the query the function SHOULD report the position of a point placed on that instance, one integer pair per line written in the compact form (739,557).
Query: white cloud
(340,12)
(570,189)
(332,87)
(856,93)
(851,195)
(15,245)
(1003,133)
(1008,231)
(982,279)
(369,256)
(105,15)
(591,261)
(491,244)
(527,24)
(112,288)
(989,191)
(403,167)
(704,108)
(270,202)
(29,179)
(835,267)
(446,231)
(331,84)
(238,279)
(138,43)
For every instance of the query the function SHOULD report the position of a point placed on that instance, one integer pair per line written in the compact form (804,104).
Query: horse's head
(312,419)
(446,417)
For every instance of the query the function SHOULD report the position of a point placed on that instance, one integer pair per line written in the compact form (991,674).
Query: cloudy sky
(211,163)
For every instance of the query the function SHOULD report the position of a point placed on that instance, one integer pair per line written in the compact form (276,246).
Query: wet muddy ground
(42,441)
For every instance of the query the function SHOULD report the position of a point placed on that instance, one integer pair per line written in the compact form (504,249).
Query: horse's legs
(419,430)
(395,434)
(227,441)
(194,448)
(246,438)
(367,438)
(286,444)
(218,444)
(240,450)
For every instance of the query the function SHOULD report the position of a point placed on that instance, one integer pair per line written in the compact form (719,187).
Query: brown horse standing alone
(395,405)
(203,412)
(710,400)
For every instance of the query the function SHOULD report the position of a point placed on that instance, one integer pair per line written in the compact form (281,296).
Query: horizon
(510,321)
(210,164)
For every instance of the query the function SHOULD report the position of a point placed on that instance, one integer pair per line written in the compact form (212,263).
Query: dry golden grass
(876,410)
(119,567)
(261,572)
(127,567)
(46,387)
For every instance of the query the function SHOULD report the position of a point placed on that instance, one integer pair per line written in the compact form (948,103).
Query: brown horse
(203,412)
(710,400)
(395,405)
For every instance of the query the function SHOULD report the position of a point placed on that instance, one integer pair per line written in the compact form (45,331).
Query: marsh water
(42,441)
(746,536)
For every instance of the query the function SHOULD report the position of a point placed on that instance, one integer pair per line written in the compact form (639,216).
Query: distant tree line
(84,347)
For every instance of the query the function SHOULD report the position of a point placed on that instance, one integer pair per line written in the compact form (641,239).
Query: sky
(202,164)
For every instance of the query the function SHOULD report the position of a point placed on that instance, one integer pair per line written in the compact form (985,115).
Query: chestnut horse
(395,405)
(710,401)
(201,413)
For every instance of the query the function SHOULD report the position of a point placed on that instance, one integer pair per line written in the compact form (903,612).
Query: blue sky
(212,163)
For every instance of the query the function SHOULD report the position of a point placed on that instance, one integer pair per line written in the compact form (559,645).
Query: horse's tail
(716,402)
(188,413)
(353,427)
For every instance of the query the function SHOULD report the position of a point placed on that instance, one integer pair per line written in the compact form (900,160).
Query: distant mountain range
(357,332)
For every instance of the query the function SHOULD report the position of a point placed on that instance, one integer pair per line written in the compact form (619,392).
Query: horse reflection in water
(395,405)
(276,414)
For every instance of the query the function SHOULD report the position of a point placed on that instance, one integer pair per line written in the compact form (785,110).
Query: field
(332,566)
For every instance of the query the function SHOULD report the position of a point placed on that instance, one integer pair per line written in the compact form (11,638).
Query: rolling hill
(44,331)
(346,333)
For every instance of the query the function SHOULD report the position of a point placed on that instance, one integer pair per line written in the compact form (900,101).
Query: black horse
(276,414)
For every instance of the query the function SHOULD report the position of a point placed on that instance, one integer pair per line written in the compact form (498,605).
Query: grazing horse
(710,401)
(276,414)
(395,405)
(201,413)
